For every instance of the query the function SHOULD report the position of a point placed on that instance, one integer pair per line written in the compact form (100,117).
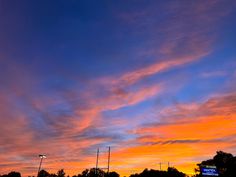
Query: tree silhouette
(43,173)
(93,172)
(171,172)
(61,173)
(14,174)
(224,162)
(11,174)
(112,174)
(174,172)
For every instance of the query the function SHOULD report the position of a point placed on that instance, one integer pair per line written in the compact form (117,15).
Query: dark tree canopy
(171,172)
(61,173)
(93,172)
(224,162)
(112,174)
(43,173)
(12,174)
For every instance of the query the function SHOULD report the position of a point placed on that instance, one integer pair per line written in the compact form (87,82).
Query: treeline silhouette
(225,164)
(86,173)
(12,174)
(171,172)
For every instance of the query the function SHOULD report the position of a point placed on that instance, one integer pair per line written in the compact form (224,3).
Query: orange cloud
(186,133)
(186,139)
(135,76)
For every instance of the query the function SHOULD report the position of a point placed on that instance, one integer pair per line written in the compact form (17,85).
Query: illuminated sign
(209,171)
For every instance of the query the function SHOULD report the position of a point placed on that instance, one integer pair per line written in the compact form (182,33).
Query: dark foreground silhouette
(224,162)
(171,172)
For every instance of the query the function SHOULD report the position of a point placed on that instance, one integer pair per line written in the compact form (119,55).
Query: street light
(41,156)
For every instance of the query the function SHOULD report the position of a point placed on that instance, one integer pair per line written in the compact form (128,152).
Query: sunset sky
(155,80)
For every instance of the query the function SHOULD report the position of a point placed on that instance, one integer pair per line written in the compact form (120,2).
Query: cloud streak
(67,117)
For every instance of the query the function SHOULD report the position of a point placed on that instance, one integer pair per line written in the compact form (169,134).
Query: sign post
(207,171)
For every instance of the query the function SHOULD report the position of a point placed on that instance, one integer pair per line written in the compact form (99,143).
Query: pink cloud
(185,40)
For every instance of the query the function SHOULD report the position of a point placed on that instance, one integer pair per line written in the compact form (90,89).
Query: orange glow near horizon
(155,81)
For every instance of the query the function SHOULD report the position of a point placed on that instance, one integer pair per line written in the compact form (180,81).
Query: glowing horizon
(155,81)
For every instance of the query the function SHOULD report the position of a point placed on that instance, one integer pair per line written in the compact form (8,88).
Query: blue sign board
(208,171)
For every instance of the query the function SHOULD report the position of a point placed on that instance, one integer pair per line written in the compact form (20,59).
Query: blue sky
(135,75)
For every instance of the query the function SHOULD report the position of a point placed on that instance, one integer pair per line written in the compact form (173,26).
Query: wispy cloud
(189,129)
(68,123)
(213,74)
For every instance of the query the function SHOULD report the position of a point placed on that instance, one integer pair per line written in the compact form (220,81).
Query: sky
(154,80)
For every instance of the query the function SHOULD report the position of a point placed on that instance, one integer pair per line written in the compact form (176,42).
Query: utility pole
(97,161)
(168,164)
(108,161)
(109,156)
(160,166)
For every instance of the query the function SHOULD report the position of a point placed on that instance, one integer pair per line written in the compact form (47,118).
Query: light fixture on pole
(41,156)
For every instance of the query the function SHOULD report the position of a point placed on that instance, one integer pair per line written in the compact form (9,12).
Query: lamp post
(41,156)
